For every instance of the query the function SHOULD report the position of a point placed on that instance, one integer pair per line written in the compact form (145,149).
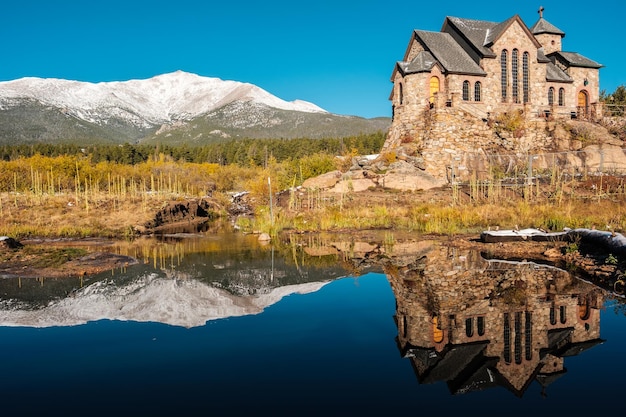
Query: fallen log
(494,236)
(611,242)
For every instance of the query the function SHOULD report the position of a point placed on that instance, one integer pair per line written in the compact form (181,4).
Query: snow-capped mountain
(150,298)
(172,108)
(177,96)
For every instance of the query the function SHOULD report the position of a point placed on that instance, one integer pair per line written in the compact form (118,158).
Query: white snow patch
(154,101)
(152,298)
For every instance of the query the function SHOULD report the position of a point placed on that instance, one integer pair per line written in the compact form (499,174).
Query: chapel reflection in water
(477,324)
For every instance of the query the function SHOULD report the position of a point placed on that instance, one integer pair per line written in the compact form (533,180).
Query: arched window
(480,325)
(507,339)
(515,76)
(526,77)
(551,96)
(528,332)
(477,91)
(469,327)
(466,86)
(434,88)
(561,96)
(583,309)
(562,314)
(437,332)
(517,349)
(503,74)
(552,315)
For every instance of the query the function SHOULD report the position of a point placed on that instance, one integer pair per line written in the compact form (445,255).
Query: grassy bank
(62,215)
(69,196)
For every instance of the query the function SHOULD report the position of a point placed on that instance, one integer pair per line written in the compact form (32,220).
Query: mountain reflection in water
(462,324)
(184,282)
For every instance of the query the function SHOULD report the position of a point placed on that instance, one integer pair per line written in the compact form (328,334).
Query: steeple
(548,35)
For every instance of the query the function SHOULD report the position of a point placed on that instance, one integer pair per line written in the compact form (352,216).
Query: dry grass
(60,215)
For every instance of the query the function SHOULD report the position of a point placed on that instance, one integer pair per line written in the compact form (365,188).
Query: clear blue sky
(337,54)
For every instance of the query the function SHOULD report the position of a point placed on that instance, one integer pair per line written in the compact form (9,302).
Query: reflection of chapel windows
(507,339)
(480,325)
(583,309)
(561,96)
(525,77)
(528,332)
(437,332)
(562,313)
(469,328)
(551,96)
(503,74)
(514,76)
(466,86)
(477,91)
(404,326)
(552,314)
(518,337)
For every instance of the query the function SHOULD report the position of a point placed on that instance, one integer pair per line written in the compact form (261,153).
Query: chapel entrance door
(583,105)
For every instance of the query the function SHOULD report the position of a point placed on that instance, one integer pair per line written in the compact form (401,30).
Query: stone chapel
(452,84)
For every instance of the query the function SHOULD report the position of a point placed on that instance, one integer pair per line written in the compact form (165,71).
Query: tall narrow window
(437,332)
(507,338)
(503,74)
(552,314)
(469,327)
(515,76)
(434,88)
(518,337)
(480,325)
(561,96)
(551,96)
(400,93)
(477,91)
(526,77)
(466,86)
(583,309)
(563,314)
(528,332)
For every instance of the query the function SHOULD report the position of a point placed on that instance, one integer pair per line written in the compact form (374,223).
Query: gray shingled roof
(423,62)
(475,31)
(541,56)
(554,73)
(494,32)
(448,53)
(543,26)
(574,59)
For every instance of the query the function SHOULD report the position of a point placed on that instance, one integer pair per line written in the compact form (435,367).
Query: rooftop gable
(474,32)
(452,57)
(482,34)
(495,32)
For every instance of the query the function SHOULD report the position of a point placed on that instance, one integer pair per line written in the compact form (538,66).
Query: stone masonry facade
(487,87)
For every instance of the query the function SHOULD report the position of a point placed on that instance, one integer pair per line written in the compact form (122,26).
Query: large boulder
(405,176)
(323,181)
(353,185)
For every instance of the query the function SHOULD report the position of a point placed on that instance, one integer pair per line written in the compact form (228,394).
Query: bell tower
(548,35)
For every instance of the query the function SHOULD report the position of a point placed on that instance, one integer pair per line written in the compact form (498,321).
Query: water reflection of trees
(476,324)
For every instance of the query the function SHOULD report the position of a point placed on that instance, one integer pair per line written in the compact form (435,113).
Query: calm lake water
(223,326)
